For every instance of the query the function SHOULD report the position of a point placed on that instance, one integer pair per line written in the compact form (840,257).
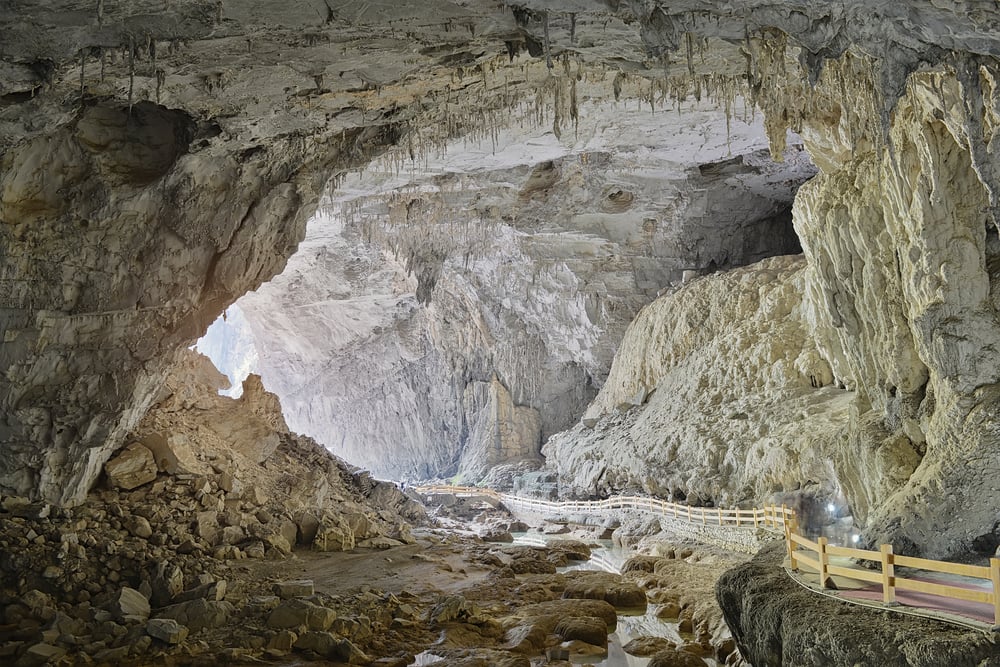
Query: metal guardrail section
(771,517)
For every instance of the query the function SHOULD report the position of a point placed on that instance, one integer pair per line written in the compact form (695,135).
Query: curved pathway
(973,614)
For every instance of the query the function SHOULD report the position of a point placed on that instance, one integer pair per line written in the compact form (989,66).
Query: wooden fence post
(995,577)
(719,511)
(689,514)
(737,517)
(756,522)
(888,575)
(784,517)
(791,548)
(704,516)
(824,561)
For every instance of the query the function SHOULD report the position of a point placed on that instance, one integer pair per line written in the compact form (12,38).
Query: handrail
(770,517)
(887,576)
(783,518)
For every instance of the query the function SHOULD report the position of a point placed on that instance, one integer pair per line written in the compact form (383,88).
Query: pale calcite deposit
(501,432)
(894,316)
(718,392)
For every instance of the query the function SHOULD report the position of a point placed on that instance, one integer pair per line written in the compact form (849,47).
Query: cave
(275,278)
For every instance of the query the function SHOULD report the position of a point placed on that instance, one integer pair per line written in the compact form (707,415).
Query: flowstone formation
(718,393)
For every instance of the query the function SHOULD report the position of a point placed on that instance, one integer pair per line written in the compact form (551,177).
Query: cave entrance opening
(446,315)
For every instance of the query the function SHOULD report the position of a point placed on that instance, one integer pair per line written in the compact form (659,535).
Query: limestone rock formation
(158,161)
(897,327)
(422,306)
(132,467)
(718,392)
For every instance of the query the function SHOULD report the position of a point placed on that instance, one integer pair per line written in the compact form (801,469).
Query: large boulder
(605,586)
(174,453)
(166,630)
(297,613)
(333,534)
(132,467)
(777,622)
(586,629)
(199,613)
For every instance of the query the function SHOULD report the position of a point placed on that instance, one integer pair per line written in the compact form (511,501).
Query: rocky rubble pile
(151,561)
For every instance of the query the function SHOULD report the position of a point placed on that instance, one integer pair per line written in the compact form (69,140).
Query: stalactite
(689,47)
(548,48)
(83,67)
(161,78)
(131,72)
(557,95)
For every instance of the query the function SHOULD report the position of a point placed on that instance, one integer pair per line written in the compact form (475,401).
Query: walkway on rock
(968,613)
(966,595)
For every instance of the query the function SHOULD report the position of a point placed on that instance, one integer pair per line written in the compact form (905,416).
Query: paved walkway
(976,615)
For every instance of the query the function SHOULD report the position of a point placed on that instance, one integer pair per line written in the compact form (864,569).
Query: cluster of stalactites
(846,90)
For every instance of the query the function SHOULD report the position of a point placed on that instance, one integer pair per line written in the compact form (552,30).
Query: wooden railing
(770,516)
(821,550)
(783,518)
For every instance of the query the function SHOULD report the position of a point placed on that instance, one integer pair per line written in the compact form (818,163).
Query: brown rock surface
(131,468)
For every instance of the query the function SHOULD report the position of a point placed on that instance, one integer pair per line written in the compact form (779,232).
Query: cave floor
(434,564)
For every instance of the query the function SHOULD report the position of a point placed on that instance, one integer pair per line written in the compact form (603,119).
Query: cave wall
(897,305)
(122,241)
(158,161)
(913,325)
